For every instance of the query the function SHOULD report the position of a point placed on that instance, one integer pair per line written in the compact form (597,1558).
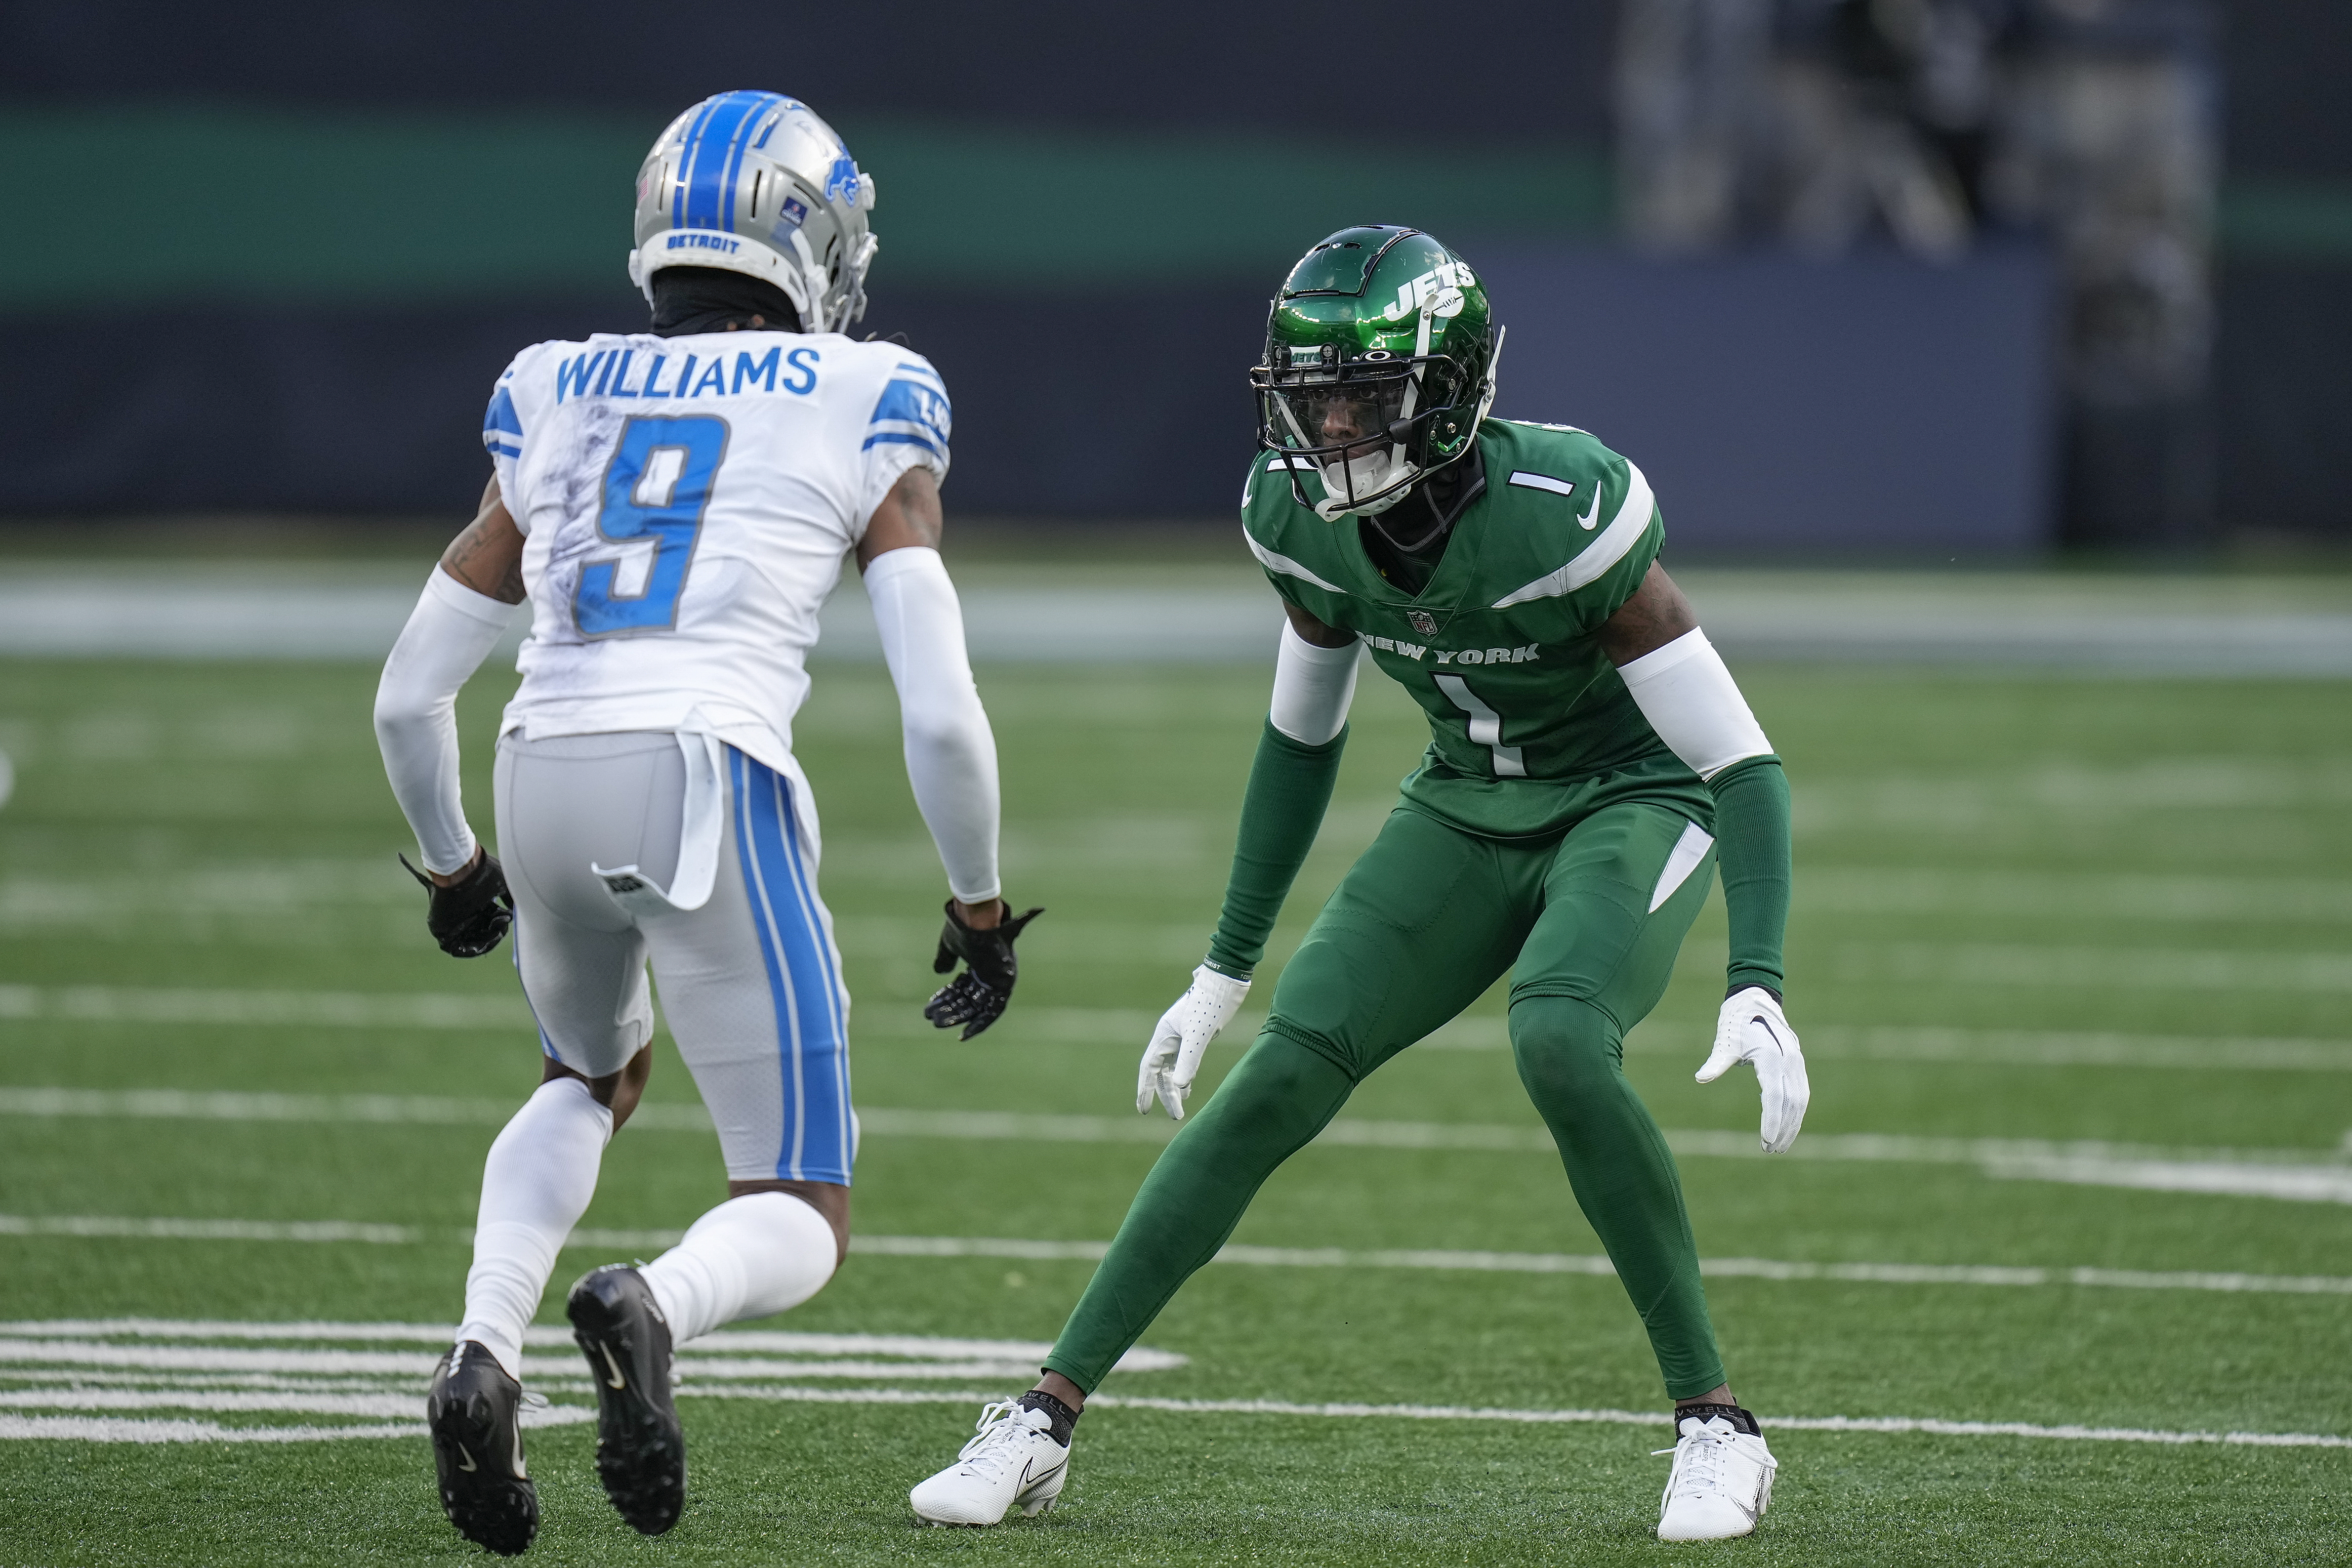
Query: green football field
(2069,1231)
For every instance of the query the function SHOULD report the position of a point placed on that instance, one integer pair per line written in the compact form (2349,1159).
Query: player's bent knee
(1565,1050)
(1281,1091)
(617,1092)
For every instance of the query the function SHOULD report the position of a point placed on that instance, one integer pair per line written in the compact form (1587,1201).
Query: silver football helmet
(755,182)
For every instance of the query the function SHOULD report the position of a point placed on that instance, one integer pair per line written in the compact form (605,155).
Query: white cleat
(1722,1479)
(1013,1463)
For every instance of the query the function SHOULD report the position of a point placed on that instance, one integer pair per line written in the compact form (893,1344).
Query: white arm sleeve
(1691,700)
(950,750)
(448,635)
(1312,686)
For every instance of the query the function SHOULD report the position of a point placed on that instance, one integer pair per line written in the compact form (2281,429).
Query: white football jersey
(687,503)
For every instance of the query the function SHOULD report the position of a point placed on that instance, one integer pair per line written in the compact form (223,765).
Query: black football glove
(468,918)
(976,998)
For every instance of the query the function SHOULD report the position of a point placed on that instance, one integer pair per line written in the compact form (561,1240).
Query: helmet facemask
(1355,424)
(1375,402)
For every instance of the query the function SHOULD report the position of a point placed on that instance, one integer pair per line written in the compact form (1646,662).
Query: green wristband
(1752,853)
(1290,786)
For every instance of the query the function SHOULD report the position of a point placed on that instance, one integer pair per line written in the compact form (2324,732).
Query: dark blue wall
(1365,67)
(1874,404)
(217,406)
(1871,405)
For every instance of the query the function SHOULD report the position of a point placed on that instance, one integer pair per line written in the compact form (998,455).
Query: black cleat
(640,1449)
(473,1415)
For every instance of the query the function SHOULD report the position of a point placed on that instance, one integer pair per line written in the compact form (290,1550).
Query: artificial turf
(1977,852)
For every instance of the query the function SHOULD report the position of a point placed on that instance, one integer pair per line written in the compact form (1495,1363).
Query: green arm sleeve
(1289,786)
(1751,848)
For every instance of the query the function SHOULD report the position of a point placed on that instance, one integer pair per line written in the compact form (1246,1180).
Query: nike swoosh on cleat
(466,1460)
(1592,513)
(616,1380)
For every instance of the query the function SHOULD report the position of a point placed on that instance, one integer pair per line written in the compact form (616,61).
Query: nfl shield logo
(1423,622)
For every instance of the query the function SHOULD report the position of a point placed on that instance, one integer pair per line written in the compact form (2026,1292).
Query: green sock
(1269,1107)
(1570,1058)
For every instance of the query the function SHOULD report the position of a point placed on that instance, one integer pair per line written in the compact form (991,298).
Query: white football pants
(750,980)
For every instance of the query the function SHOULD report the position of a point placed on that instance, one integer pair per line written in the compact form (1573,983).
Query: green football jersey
(1530,727)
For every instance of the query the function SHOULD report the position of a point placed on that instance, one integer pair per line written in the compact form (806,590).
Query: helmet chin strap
(1331,510)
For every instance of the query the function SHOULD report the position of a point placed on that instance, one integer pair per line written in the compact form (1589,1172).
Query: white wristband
(448,635)
(1690,700)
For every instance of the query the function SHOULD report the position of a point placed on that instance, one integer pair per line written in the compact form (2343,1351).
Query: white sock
(750,1256)
(535,1186)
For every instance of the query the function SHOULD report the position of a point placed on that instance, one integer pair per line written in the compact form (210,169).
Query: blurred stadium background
(1993,360)
(1892,277)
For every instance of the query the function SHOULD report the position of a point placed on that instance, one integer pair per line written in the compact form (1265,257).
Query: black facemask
(705,300)
(1407,540)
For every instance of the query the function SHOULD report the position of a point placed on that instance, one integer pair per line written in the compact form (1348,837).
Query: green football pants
(1419,929)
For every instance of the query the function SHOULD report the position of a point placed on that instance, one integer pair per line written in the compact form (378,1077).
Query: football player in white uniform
(676,503)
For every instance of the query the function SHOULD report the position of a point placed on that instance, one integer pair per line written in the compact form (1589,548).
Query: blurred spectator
(2108,143)
(1822,123)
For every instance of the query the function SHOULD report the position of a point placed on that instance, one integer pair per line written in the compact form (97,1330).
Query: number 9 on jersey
(656,487)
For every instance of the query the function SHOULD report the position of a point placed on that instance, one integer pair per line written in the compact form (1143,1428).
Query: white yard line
(311,1009)
(394,1405)
(418,1364)
(2108,968)
(1019,1249)
(98,1368)
(110,1005)
(2024,1047)
(2308,1175)
(108,1225)
(2280,626)
(458,1010)
(308,889)
(2299,1183)
(71,1338)
(1794,1423)
(1109,1025)
(1988,1048)
(2203,900)
(119,1430)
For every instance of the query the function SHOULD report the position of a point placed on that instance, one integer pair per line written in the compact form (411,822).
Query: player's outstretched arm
(467,603)
(950,750)
(1289,788)
(1691,700)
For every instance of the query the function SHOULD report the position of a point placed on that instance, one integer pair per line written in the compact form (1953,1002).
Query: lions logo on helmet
(755,182)
(1380,364)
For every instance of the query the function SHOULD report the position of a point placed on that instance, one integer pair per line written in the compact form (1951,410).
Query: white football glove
(1182,1038)
(1752,1028)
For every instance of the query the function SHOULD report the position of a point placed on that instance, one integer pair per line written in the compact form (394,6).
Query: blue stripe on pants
(803,977)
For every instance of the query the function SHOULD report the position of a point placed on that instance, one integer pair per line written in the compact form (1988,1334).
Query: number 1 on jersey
(657,486)
(1485,727)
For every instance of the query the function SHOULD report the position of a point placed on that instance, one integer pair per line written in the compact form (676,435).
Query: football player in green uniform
(1591,765)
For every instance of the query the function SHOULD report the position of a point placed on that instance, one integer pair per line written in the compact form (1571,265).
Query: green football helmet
(1380,364)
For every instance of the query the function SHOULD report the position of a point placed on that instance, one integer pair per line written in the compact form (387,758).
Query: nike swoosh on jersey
(1609,547)
(1592,513)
